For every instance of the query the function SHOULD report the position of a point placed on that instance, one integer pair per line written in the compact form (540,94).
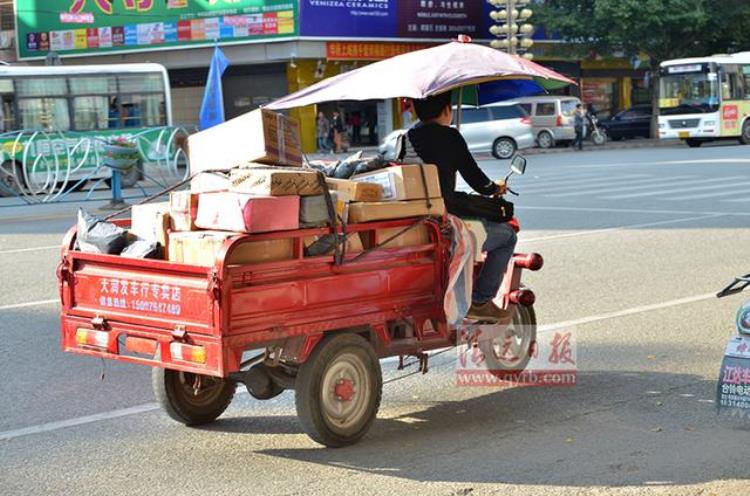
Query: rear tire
(504,148)
(338,390)
(745,137)
(11,177)
(545,140)
(693,143)
(175,392)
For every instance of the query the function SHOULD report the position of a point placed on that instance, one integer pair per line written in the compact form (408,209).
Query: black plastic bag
(96,235)
(143,248)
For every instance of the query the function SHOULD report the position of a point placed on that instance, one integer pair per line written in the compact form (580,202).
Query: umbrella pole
(458,107)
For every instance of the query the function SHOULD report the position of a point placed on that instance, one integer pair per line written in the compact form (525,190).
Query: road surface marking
(743,191)
(88,419)
(663,183)
(702,187)
(652,182)
(29,304)
(738,200)
(147,407)
(627,210)
(24,250)
(618,228)
(575,181)
(667,162)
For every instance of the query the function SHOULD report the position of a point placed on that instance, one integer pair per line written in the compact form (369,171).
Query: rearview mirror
(518,164)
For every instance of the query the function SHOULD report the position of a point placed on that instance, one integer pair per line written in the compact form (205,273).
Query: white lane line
(663,183)
(737,200)
(572,181)
(613,184)
(147,407)
(619,228)
(561,208)
(24,250)
(29,304)
(667,162)
(88,419)
(702,187)
(743,191)
(600,182)
(628,311)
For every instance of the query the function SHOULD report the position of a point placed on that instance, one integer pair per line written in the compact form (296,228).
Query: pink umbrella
(423,73)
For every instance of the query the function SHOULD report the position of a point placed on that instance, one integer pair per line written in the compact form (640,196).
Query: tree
(661,29)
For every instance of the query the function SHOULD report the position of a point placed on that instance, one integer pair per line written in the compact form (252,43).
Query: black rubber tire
(509,143)
(547,142)
(693,143)
(745,136)
(526,317)
(173,395)
(9,180)
(309,390)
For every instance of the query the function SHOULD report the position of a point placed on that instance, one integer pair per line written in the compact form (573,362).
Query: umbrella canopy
(422,73)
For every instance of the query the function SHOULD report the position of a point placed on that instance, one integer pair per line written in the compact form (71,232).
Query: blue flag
(212,110)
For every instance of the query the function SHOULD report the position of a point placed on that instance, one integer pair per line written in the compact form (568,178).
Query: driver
(436,142)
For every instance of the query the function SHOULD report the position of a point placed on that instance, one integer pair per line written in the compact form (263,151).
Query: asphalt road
(635,243)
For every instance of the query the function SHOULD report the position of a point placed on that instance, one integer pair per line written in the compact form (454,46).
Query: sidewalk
(587,146)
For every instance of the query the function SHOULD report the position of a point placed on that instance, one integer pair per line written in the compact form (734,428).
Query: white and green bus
(705,99)
(47,111)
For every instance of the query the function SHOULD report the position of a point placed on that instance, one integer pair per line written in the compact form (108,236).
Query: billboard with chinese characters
(374,19)
(84,27)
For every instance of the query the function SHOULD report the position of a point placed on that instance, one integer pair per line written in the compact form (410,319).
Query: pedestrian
(323,127)
(356,123)
(579,126)
(338,131)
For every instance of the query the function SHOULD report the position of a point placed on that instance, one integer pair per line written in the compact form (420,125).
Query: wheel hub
(344,390)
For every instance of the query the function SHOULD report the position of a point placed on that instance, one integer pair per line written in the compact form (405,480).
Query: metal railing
(46,166)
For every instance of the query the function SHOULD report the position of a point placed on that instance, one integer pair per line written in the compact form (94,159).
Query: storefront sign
(75,27)
(352,50)
(418,19)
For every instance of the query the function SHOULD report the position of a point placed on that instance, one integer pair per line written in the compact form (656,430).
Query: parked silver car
(499,128)
(552,117)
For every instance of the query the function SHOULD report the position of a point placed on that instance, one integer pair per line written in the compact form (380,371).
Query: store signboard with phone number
(85,27)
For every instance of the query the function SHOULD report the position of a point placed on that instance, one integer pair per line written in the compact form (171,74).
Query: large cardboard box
(209,182)
(353,244)
(275,182)
(240,212)
(151,221)
(404,182)
(202,247)
(416,236)
(356,191)
(183,209)
(258,136)
(367,212)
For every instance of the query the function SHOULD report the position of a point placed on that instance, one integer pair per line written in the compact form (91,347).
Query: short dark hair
(432,106)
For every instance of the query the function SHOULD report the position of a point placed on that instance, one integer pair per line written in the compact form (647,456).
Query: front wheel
(503,148)
(510,350)
(338,390)
(191,399)
(545,139)
(599,138)
(745,137)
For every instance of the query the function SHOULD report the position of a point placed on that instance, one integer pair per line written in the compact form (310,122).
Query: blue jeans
(323,144)
(499,245)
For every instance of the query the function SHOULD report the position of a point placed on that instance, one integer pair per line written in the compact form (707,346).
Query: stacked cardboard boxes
(251,182)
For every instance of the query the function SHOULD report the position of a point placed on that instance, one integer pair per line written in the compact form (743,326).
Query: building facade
(275,47)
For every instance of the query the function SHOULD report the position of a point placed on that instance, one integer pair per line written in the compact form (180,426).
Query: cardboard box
(275,182)
(183,209)
(356,191)
(151,221)
(404,182)
(210,182)
(258,136)
(353,244)
(202,247)
(367,212)
(416,236)
(240,212)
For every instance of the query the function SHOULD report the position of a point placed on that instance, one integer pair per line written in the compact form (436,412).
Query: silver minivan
(552,117)
(499,128)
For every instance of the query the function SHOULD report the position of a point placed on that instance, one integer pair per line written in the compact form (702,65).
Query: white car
(501,128)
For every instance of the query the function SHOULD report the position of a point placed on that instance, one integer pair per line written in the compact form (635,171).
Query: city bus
(705,99)
(47,110)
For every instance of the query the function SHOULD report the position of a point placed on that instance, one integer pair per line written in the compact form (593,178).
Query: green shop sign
(75,27)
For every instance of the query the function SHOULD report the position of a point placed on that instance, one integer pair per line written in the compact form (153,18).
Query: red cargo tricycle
(318,325)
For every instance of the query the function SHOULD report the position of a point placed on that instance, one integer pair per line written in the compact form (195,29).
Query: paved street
(635,243)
